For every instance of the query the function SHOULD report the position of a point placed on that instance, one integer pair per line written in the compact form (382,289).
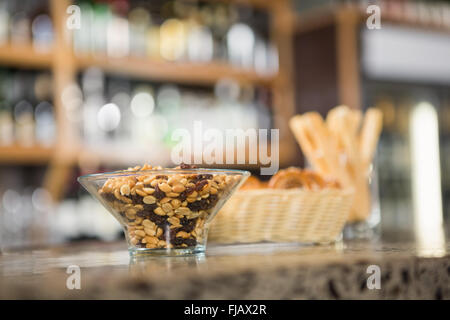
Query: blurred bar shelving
(327,15)
(350,64)
(24,56)
(178,72)
(64,65)
(16,154)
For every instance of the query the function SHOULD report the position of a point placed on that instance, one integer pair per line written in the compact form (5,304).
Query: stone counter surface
(259,271)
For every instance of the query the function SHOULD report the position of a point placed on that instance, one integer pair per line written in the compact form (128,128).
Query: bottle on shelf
(45,124)
(42,30)
(24,123)
(4,22)
(139,23)
(176,31)
(19,29)
(6,124)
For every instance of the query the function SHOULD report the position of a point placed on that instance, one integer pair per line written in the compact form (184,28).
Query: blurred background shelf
(418,19)
(177,72)
(25,155)
(67,61)
(24,56)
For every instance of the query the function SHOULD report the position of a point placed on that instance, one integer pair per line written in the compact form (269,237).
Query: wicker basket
(292,215)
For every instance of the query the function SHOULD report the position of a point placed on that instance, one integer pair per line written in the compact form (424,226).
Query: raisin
(187,166)
(200,184)
(179,241)
(186,193)
(148,208)
(108,197)
(187,224)
(143,214)
(197,205)
(200,177)
(203,204)
(190,242)
(158,194)
(206,176)
(137,199)
(160,221)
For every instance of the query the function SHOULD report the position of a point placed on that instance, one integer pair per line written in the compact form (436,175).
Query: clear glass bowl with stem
(164,211)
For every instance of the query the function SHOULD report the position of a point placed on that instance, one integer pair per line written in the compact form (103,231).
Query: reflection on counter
(32,219)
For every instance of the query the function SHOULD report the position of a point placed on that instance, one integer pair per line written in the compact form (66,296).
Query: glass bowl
(164,211)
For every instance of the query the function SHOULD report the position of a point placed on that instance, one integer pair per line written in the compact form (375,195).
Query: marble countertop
(258,271)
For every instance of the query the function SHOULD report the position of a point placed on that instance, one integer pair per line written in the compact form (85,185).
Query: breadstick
(338,148)
(321,145)
(333,122)
(361,204)
(307,143)
(356,117)
(370,133)
(347,123)
(343,123)
(315,128)
(343,118)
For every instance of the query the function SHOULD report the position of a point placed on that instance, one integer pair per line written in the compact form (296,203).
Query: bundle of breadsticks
(342,146)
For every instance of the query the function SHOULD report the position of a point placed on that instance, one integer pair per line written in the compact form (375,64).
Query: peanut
(167,207)
(159,211)
(165,187)
(150,232)
(125,190)
(182,234)
(178,188)
(149,200)
(176,203)
(148,224)
(139,233)
(141,193)
(148,190)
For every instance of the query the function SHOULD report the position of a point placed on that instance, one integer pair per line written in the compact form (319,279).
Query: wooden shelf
(179,72)
(16,154)
(159,70)
(24,56)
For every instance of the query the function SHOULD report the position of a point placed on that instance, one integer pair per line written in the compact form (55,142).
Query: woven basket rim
(256,192)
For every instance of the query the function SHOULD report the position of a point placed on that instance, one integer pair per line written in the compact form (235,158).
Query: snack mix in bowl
(164,211)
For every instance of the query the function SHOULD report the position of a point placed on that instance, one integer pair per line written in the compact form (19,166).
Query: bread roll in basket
(296,206)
